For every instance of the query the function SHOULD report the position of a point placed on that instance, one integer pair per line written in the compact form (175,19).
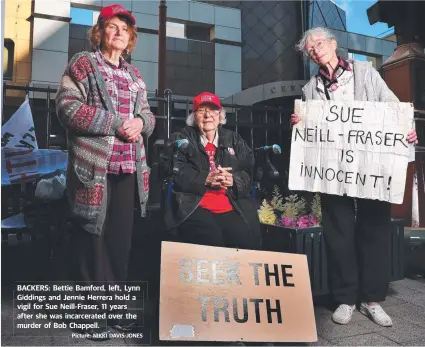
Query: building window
(177,30)
(8,55)
(190,31)
(83,16)
(198,32)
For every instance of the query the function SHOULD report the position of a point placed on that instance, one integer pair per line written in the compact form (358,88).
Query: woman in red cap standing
(102,103)
(212,178)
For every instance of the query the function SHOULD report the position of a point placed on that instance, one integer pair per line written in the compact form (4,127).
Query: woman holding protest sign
(357,239)
(102,103)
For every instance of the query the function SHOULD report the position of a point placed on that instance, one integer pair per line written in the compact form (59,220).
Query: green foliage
(266,213)
(293,207)
(292,211)
(277,199)
(316,207)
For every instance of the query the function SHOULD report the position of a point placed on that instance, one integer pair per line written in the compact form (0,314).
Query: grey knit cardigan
(368,85)
(85,110)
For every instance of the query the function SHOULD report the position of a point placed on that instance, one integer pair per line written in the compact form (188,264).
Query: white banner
(19,129)
(355,148)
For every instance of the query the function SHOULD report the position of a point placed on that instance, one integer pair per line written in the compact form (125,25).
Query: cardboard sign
(225,294)
(357,148)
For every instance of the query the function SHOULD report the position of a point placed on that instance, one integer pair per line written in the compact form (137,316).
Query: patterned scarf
(330,83)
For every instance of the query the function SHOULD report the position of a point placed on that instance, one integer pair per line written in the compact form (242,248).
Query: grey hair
(190,120)
(308,35)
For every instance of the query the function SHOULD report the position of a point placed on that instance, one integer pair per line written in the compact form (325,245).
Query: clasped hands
(221,178)
(411,136)
(131,129)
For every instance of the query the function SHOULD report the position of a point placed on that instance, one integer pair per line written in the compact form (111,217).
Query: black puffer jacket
(193,168)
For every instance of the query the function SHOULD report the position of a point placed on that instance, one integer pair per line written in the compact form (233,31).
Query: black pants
(219,229)
(357,247)
(103,259)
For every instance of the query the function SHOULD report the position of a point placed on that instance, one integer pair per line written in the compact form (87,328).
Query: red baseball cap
(206,98)
(115,10)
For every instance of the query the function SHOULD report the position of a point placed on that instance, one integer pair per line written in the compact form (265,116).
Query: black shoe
(122,325)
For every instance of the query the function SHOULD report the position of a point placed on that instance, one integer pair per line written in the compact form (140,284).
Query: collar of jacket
(101,58)
(360,71)
(205,141)
(343,65)
(193,135)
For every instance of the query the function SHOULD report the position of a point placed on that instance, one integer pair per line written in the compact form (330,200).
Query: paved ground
(405,304)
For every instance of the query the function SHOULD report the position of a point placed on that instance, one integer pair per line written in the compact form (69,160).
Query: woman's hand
(135,138)
(225,180)
(211,180)
(412,137)
(131,130)
(225,177)
(220,178)
(295,118)
(133,126)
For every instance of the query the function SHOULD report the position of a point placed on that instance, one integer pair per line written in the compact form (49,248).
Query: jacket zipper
(233,202)
(199,202)
(235,205)
(191,212)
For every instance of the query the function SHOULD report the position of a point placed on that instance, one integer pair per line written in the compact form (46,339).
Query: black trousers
(103,259)
(358,248)
(219,229)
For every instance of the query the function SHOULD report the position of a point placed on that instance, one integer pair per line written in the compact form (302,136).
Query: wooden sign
(224,294)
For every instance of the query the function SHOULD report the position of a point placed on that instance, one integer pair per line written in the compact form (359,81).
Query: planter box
(397,257)
(414,239)
(309,241)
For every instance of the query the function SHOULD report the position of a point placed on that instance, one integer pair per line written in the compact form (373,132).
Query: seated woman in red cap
(102,103)
(211,203)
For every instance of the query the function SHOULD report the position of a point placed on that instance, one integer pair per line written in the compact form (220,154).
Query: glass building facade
(327,14)
(270,30)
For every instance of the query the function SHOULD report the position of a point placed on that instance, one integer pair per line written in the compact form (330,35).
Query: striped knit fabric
(86,111)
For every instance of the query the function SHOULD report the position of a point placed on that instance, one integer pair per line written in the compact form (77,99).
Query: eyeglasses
(317,47)
(202,111)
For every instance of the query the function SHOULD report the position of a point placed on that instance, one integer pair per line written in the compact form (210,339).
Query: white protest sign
(19,130)
(357,148)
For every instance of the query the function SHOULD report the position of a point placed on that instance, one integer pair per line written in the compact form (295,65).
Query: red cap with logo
(115,10)
(206,98)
